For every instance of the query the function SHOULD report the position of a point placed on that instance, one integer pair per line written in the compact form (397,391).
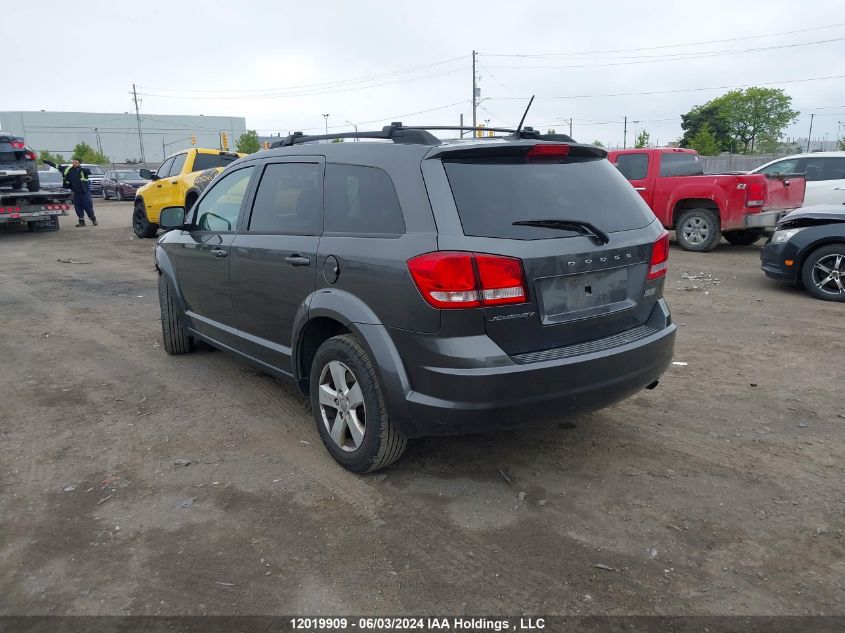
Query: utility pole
(462,124)
(138,118)
(163,151)
(810,135)
(474,90)
(570,127)
(625,135)
(326,117)
(99,144)
(838,128)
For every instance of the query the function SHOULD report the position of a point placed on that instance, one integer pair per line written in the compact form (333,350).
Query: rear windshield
(492,196)
(95,171)
(207,161)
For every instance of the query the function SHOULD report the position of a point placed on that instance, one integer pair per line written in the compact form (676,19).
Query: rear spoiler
(511,150)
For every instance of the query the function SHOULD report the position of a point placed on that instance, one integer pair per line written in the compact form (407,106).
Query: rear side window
(361,200)
(824,168)
(680,164)
(490,197)
(207,161)
(178,163)
(288,200)
(633,166)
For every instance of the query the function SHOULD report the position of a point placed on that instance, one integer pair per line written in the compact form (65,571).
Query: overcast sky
(282,65)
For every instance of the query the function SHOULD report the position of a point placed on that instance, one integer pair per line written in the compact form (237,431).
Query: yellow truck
(178,182)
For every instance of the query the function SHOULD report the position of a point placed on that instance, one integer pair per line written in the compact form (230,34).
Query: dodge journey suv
(413,286)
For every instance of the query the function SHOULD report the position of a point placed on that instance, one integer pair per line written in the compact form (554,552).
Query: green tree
(711,115)
(598,143)
(551,130)
(842,145)
(53,158)
(84,153)
(642,139)
(247,142)
(704,142)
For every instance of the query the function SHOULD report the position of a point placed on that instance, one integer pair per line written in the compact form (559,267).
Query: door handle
(173,182)
(639,188)
(297,260)
(219,253)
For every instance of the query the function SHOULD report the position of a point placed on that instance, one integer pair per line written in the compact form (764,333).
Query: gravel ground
(720,492)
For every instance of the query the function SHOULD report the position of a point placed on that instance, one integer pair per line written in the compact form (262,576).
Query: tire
(381,442)
(698,230)
(34,184)
(821,264)
(140,224)
(176,338)
(743,238)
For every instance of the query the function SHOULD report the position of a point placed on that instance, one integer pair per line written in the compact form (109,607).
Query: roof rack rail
(417,134)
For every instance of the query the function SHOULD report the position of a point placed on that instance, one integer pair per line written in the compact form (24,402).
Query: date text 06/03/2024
(418,624)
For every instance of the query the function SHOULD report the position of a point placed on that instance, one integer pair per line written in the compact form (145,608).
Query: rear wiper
(584,228)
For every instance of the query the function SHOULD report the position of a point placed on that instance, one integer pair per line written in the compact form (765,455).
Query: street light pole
(326,117)
(356,129)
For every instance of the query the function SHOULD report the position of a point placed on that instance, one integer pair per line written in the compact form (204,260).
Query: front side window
(361,200)
(633,166)
(178,163)
(289,200)
(164,168)
(788,166)
(218,211)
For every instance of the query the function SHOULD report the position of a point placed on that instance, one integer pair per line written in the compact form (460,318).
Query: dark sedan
(122,184)
(808,249)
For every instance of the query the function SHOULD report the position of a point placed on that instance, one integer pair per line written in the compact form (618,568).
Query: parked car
(122,184)
(702,208)
(178,181)
(808,249)
(824,172)
(95,178)
(423,287)
(18,168)
(51,180)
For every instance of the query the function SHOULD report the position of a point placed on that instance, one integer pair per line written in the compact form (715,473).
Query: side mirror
(146,173)
(172,218)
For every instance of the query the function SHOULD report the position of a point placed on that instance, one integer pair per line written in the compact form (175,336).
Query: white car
(824,171)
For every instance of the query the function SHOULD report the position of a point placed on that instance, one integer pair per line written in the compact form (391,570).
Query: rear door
(274,257)
(579,290)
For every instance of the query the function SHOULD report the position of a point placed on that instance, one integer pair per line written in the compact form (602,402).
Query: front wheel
(823,273)
(349,407)
(141,225)
(176,338)
(698,230)
(744,237)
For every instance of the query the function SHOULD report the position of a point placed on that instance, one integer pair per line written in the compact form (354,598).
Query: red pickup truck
(702,208)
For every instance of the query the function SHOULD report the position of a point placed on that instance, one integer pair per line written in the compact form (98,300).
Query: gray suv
(423,287)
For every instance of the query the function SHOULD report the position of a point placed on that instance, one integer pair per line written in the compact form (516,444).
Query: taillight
(30,155)
(539,152)
(18,144)
(451,279)
(659,258)
(755,194)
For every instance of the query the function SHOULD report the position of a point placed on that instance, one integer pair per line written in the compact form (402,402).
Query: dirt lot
(722,491)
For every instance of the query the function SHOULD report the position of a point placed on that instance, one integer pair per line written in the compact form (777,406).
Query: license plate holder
(584,295)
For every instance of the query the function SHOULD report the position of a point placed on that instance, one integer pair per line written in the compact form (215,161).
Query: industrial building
(116,134)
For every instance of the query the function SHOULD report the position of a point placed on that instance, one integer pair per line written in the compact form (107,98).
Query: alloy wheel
(696,230)
(342,406)
(828,274)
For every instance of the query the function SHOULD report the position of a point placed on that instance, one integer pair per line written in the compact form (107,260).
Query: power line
(316,85)
(665,46)
(307,93)
(689,56)
(678,90)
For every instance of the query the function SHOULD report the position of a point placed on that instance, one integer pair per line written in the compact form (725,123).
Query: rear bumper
(766,219)
(450,400)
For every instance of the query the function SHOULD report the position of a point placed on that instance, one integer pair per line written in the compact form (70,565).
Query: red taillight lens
(449,279)
(18,144)
(30,155)
(501,279)
(659,258)
(755,195)
(539,152)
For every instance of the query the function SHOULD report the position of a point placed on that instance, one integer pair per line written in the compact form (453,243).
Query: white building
(116,134)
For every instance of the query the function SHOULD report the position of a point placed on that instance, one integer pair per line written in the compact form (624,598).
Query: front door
(634,167)
(274,257)
(201,257)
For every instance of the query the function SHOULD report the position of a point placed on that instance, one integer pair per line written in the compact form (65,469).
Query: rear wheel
(141,225)
(34,183)
(698,230)
(176,338)
(349,407)
(823,273)
(743,238)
